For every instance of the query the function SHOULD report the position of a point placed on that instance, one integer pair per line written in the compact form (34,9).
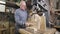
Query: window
(2,0)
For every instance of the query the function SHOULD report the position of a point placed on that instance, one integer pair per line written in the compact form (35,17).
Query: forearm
(21,23)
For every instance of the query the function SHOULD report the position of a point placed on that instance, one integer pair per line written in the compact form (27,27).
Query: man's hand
(29,24)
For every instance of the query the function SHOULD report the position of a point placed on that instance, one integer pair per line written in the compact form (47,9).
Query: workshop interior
(43,14)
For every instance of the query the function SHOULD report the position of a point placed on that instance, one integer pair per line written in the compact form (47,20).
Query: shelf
(57,26)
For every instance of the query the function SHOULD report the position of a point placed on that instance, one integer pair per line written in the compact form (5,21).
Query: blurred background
(8,7)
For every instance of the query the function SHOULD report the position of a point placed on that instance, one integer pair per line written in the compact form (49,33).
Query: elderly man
(21,17)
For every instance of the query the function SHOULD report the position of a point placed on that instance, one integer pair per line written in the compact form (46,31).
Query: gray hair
(23,2)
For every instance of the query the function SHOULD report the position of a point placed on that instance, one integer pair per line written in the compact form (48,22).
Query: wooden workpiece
(23,31)
(39,26)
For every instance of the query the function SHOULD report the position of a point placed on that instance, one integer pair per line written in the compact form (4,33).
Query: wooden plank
(33,30)
(57,26)
(42,23)
(50,31)
(23,31)
(56,10)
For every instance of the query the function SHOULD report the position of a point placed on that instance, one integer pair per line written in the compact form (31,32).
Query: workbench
(34,31)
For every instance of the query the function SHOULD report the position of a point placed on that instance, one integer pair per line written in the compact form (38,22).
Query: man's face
(23,6)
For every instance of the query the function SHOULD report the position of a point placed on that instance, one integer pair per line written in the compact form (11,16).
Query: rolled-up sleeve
(18,19)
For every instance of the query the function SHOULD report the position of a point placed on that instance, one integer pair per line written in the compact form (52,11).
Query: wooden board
(23,31)
(50,31)
(39,22)
(42,23)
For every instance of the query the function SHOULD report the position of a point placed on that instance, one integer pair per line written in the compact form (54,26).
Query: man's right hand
(28,24)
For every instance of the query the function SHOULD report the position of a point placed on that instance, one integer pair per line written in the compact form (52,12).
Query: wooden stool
(12,30)
(3,31)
